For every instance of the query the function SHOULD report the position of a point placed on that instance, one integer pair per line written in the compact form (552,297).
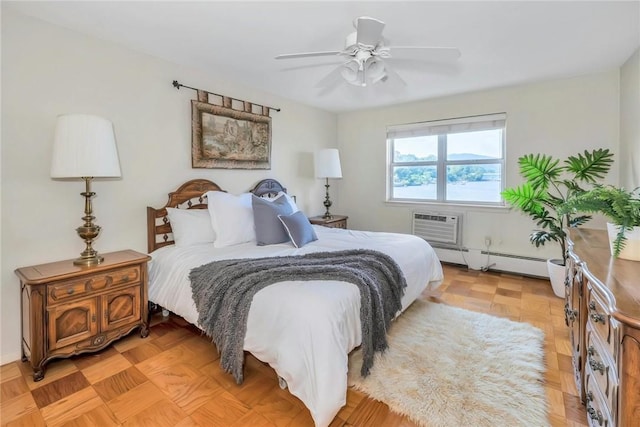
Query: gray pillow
(269,229)
(299,228)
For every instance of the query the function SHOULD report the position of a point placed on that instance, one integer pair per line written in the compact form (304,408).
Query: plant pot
(557,275)
(631,249)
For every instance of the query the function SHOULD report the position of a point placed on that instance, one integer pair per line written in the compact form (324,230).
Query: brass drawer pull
(595,415)
(596,317)
(125,278)
(570,315)
(70,291)
(597,366)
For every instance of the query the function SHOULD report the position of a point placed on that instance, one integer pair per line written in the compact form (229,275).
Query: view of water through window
(472,162)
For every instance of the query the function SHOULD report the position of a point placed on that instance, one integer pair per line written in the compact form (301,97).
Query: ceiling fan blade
(331,80)
(425,53)
(394,76)
(369,31)
(308,54)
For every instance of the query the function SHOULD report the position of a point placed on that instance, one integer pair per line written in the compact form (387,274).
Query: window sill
(448,206)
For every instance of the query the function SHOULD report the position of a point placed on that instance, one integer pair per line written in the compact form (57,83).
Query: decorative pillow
(191,226)
(231,218)
(294,207)
(299,228)
(269,229)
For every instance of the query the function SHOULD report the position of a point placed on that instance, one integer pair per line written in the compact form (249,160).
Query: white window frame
(442,128)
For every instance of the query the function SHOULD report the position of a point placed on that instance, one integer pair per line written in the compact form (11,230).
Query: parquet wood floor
(172,378)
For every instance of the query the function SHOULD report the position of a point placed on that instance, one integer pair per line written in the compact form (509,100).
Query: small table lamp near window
(327,165)
(84,147)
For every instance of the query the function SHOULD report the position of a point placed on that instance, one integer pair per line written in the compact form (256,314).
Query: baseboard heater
(441,229)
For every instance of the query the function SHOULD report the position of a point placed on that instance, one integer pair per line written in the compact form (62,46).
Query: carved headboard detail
(190,195)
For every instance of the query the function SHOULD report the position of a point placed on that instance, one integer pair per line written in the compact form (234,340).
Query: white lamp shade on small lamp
(84,146)
(327,163)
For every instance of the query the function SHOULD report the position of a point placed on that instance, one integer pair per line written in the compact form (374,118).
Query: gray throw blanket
(223,291)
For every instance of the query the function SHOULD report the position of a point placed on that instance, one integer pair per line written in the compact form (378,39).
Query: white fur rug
(450,367)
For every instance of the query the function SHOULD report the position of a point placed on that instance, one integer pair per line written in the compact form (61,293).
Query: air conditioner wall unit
(445,228)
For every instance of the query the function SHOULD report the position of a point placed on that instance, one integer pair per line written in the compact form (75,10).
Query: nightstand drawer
(74,288)
(335,221)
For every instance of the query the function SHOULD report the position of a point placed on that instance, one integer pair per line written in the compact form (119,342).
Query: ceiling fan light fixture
(350,71)
(375,69)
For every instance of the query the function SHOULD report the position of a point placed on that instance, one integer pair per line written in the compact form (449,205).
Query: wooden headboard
(190,195)
(268,187)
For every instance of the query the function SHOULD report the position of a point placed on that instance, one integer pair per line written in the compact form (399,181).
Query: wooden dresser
(603,312)
(69,309)
(336,221)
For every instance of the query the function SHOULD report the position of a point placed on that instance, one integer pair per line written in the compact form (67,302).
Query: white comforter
(303,330)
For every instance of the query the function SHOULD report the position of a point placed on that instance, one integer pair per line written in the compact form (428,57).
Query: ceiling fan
(367,54)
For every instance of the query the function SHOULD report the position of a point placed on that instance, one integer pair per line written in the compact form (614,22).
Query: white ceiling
(502,43)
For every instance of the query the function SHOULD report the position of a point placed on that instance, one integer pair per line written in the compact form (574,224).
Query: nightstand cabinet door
(72,323)
(120,308)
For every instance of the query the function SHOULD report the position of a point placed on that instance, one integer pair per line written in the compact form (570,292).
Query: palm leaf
(590,165)
(539,170)
(525,198)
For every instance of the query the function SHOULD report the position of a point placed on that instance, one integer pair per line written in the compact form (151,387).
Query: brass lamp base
(327,202)
(88,231)
(88,261)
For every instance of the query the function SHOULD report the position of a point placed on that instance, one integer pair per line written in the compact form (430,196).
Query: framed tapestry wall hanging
(227,138)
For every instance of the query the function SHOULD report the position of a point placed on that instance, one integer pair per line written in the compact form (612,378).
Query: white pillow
(191,226)
(293,205)
(231,218)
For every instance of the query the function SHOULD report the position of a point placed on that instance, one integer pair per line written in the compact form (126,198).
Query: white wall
(630,122)
(47,71)
(559,118)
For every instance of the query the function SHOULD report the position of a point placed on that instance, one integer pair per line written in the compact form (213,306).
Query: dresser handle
(70,291)
(125,278)
(93,318)
(570,314)
(597,318)
(595,415)
(597,366)
(589,397)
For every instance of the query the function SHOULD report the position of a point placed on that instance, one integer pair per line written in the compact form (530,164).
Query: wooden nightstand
(336,221)
(69,309)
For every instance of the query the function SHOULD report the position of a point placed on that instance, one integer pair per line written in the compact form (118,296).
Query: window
(448,161)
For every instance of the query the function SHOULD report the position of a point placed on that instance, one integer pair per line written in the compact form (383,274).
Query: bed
(303,329)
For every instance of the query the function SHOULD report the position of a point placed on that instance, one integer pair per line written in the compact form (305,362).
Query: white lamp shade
(327,163)
(84,146)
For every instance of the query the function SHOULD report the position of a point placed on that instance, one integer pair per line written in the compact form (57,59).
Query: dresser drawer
(597,413)
(601,369)
(73,288)
(599,318)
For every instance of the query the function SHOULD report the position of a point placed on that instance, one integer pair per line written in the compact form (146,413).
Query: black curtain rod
(179,85)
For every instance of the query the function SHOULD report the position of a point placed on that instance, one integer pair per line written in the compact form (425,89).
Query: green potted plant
(621,207)
(548,185)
